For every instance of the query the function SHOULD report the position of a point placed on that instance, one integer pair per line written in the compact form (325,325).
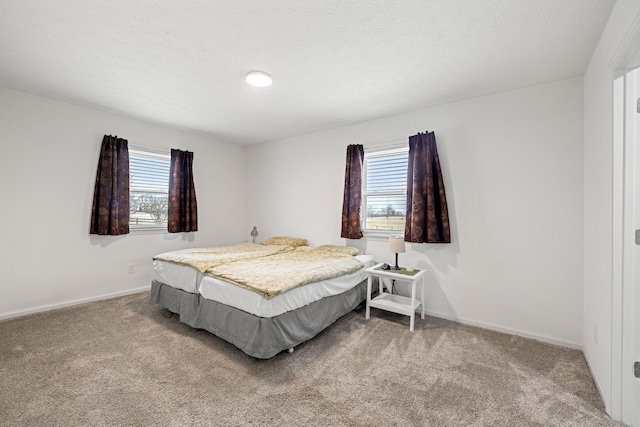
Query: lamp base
(396,266)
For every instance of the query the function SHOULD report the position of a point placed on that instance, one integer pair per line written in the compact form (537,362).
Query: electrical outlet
(131,268)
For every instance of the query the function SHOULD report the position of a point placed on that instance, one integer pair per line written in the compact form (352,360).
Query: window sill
(381,235)
(149,230)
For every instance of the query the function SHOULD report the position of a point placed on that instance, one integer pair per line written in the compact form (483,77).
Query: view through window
(385,189)
(149,188)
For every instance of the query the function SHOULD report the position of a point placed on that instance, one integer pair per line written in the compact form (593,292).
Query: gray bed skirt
(260,337)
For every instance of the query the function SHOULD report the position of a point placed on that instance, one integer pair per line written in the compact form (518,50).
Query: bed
(264,299)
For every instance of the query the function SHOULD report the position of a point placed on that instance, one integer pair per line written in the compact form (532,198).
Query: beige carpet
(123,362)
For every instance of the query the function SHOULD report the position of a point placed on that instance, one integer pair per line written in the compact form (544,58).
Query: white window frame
(152,153)
(380,151)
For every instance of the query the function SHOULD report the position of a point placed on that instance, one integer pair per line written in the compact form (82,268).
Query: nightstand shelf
(396,303)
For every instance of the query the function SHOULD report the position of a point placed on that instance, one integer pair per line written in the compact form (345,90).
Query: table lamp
(396,245)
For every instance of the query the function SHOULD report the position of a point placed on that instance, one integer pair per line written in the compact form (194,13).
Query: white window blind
(385,189)
(148,188)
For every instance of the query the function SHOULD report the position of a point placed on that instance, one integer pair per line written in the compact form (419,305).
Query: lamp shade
(396,244)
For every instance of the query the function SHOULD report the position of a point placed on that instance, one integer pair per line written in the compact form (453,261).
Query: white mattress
(191,280)
(177,276)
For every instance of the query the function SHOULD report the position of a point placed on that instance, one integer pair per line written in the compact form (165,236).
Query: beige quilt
(205,258)
(275,274)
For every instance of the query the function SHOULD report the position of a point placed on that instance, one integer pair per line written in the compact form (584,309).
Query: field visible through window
(392,223)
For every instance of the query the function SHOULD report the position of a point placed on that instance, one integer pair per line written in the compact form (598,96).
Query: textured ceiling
(334,62)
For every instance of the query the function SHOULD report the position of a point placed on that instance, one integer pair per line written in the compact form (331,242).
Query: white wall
(599,287)
(513,173)
(48,167)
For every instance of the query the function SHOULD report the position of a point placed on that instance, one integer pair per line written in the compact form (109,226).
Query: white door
(631,291)
(634,393)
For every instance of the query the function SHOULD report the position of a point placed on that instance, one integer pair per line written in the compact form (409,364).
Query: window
(148,188)
(385,190)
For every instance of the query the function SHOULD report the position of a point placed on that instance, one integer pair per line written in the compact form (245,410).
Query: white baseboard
(542,338)
(597,381)
(20,313)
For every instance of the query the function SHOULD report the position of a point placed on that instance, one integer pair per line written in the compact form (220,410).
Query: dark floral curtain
(110,210)
(183,208)
(427,213)
(352,201)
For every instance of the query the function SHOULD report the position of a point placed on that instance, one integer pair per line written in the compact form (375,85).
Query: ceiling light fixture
(259,78)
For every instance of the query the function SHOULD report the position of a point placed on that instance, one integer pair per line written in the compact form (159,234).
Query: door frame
(626,271)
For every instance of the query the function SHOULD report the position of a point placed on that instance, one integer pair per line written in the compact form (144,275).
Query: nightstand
(396,303)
